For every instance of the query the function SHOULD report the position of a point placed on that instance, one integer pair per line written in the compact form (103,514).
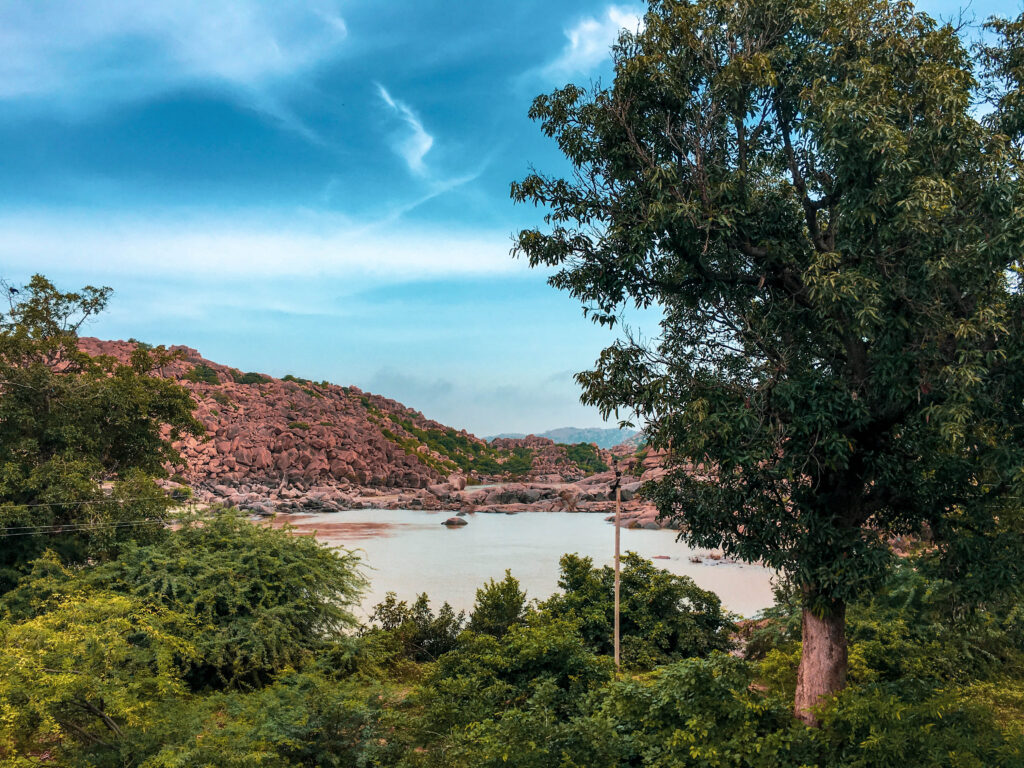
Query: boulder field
(280,445)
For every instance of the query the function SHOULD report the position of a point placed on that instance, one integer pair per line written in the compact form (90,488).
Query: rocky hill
(280,438)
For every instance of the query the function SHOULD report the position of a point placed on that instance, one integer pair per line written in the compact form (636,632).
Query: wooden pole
(618,532)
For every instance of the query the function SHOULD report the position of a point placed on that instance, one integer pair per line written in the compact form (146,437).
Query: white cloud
(88,55)
(113,245)
(590,41)
(416,142)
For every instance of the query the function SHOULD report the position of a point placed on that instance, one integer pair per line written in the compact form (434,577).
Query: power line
(42,530)
(105,500)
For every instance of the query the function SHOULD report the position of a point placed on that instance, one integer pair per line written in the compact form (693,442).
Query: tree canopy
(70,423)
(833,234)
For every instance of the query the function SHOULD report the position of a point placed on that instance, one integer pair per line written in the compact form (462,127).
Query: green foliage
(419,633)
(586,456)
(263,599)
(663,617)
(481,690)
(832,231)
(699,712)
(298,425)
(222,398)
(909,629)
(68,423)
(294,379)
(499,606)
(895,725)
(203,373)
(141,345)
(248,378)
(303,719)
(88,668)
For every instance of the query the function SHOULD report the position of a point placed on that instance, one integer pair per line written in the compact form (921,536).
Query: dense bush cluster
(229,644)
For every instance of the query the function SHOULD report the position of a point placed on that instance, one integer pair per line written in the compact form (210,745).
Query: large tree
(81,438)
(834,236)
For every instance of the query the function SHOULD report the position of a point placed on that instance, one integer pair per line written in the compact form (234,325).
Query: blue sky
(318,188)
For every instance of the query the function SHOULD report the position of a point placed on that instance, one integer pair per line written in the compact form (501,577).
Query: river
(409,551)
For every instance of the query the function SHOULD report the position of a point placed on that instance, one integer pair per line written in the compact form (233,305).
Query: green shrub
(283,599)
(422,635)
(910,723)
(248,378)
(663,617)
(201,372)
(499,606)
(586,456)
(298,425)
(223,399)
(302,719)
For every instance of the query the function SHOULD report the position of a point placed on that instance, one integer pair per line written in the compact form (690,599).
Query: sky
(318,188)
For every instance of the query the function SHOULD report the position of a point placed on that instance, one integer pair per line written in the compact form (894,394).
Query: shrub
(298,425)
(201,372)
(499,606)
(663,617)
(422,635)
(262,599)
(248,378)
(220,397)
(586,457)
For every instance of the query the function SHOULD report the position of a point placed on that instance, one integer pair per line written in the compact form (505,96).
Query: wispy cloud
(75,59)
(415,142)
(244,247)
(590,41)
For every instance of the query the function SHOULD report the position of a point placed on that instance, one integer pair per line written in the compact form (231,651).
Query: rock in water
(454,522)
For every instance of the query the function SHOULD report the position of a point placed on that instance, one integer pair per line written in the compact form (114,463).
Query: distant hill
(263,431)
(602,436)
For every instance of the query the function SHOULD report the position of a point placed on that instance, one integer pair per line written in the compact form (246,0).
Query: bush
(302,719)
(506,702)
(908,723)
(422,636)
(698,712)
(499,606)
(248,378)
(222,399)
(663,617)
(263,599)
(202,373)
(586,456)
(298,425)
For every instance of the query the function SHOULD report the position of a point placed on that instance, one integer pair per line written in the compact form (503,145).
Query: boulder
(454,522)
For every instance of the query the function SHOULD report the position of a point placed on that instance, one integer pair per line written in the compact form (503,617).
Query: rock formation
(279,445)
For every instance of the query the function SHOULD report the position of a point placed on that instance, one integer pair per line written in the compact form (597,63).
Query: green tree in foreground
(499,606)
(664,617)
(70,423)
(833,236)
(142,651)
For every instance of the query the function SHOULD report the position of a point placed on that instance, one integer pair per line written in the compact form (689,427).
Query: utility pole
(617,487)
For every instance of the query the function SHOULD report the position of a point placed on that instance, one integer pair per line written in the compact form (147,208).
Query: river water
(409,551)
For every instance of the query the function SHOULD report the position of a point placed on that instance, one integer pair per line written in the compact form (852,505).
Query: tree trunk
(822,670)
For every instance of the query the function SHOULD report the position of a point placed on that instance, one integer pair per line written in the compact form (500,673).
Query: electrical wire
(71,528)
